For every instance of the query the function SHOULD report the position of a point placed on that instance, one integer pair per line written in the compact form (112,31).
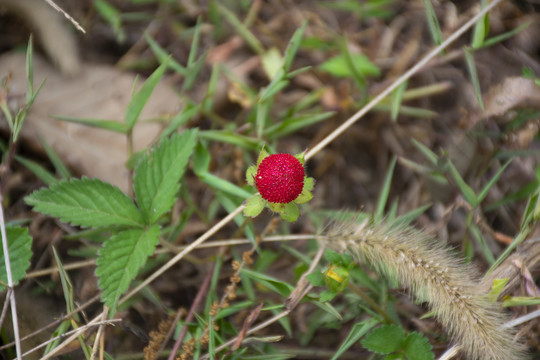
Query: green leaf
(409,217)
(309,183)
(471,66)
(223,185)
(262,155)
(316,278)
(272,62)
(466,190)
(56,160)
(140,98)
(499,38)
(397,99)
(20,252)
(492,182)
(157,176)
(385,191)
(240,28)
(292,47)
(417,347)
(430,155)
(337,66)
(327,295)
(254,205)
(180,119)
(385,339)
(163,56)
(281,287)
(67,286)
(294,124)
(481,28)
(290,212)
(112,16)
(86,202)
(358,330)
(497,288)
(521,301)
(250,175)
(433,22)
(38,170)
(304,197)
(121,257)
(201,158)
(230,138)
(30,69)
(111,125)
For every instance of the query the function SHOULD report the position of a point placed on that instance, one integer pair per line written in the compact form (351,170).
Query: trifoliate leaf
(254,205)
(121,257)
(19,249)
(384,340)
(86,202)
(417,347)
(157,175)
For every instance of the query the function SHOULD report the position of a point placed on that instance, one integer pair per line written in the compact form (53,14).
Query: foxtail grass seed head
(434,275)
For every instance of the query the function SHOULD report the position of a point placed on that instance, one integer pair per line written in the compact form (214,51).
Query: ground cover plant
(348,179)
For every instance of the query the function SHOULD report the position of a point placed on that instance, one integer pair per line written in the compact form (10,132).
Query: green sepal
(300,157)
(309,183)
(290,213)
(254,205)
(250,175)
(276,207)
(304,197)
(263,154)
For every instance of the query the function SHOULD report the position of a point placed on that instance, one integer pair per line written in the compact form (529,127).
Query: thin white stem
(251,331)
(11,293)
(74,334)
(338,131)
(218,243)
(61,11)
(450,353)
(301,289)
(520,320)
(99,333)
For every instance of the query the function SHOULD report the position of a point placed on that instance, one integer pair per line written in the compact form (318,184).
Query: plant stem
(10,282)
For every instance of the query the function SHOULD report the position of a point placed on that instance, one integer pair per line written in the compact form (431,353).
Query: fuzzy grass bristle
(435,276)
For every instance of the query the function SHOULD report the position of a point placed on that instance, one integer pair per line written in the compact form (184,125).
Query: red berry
(280,178)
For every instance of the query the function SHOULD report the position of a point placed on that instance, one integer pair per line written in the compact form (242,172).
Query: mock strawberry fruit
(280,178)
(282,184)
